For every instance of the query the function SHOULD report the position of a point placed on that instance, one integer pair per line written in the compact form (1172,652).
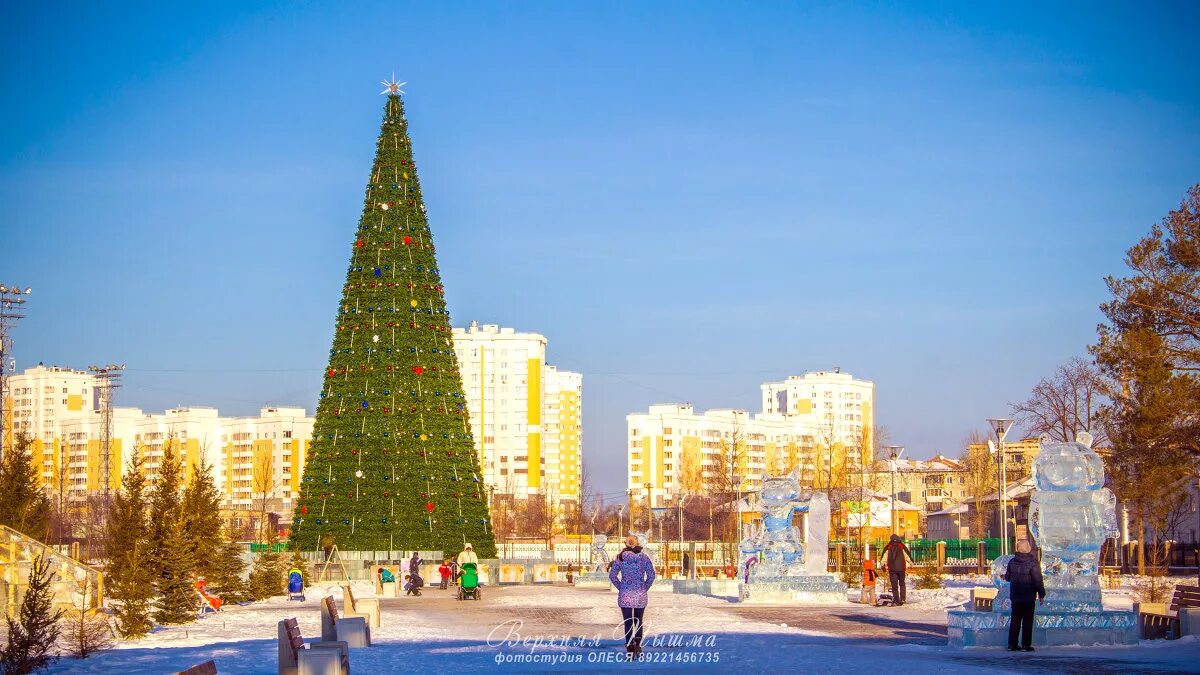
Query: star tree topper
(392,87)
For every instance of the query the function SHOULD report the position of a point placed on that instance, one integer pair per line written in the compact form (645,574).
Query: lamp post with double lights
(1000,426)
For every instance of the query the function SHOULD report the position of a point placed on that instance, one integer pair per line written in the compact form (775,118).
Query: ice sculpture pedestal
(592,580)
(1071,616)
(791,590)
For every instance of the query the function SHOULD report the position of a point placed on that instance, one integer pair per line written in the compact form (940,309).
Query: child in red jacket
(444,570)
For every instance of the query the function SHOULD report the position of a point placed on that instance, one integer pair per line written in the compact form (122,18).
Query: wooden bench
(1160,620)
(368,607)
(353,630)
(206,668)
(315,658)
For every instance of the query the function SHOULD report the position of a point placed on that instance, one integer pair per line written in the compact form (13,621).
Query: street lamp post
(1001,425)
(682,500)
(621,522)
(894,453)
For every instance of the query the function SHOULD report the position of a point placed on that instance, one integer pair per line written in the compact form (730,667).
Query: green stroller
(468,582)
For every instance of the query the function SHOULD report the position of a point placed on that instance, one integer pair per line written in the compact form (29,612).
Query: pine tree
(33,634)
(202,520)
(267,577)
(225,574)
(164,507)
(128,578)
(178,600)
(25,507)
(393,464)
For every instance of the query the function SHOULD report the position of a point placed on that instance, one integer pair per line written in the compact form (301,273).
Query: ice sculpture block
(777,565)
(1071,513)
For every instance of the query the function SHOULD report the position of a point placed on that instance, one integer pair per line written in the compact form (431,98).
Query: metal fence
(925,550)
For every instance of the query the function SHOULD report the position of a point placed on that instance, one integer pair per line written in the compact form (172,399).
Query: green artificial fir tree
(128,578)
(202,520)
(25,506)
(392,464)
(33,633)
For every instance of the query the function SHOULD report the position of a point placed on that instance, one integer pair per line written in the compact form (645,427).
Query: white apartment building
(832,403)
(814,423)
(526,416)
(252,458)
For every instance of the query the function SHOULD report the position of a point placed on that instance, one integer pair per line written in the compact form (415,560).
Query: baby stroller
(468,582)
(295,585)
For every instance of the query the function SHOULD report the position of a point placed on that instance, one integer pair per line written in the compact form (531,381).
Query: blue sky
(687,198)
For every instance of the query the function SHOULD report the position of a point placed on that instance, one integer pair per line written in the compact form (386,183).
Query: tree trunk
(1141,524)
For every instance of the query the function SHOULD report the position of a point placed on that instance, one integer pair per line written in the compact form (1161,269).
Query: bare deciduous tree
(1064,404)
(980,476)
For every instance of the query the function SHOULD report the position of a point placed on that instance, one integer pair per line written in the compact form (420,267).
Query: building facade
(255,461)
(818,424)
(526,416)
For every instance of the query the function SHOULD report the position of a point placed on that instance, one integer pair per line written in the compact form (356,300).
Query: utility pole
(108,378)
(12,310)
(621,523)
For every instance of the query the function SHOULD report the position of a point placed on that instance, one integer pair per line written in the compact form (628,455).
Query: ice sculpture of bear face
(1068,467)
(779,490)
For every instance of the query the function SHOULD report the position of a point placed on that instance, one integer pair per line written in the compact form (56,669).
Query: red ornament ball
(332,372)
(303,510)
(429,507)
(418,370)
(360,243)
(407,241)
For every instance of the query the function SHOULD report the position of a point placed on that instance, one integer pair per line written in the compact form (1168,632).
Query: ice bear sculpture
(1071,513)
(777,546)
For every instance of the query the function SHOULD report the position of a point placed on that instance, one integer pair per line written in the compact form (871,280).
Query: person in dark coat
(895,551)
(1024,576)
(414,564)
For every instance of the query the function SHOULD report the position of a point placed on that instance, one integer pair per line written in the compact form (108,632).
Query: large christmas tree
(392,464)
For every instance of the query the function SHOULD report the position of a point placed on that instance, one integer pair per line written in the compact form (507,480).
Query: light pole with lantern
(894,453)
(1001,425)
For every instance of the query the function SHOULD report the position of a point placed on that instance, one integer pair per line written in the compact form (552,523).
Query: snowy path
(435,633)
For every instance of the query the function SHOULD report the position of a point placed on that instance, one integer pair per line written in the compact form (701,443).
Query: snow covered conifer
(32,635)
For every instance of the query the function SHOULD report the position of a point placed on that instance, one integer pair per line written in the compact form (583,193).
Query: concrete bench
(1160,620)
(365,606)
(315,658)
(982,599)
(351,629)
(206,668)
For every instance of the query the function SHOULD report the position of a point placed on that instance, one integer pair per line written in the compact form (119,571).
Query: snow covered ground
(553,628)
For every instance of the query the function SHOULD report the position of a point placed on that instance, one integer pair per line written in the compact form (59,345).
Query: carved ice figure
(599,555)
(1071,513)
(777,545)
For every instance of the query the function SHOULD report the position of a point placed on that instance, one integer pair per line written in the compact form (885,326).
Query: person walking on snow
(444,570)
(896,552)
(1024,576)
(868,582)
(632,573)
